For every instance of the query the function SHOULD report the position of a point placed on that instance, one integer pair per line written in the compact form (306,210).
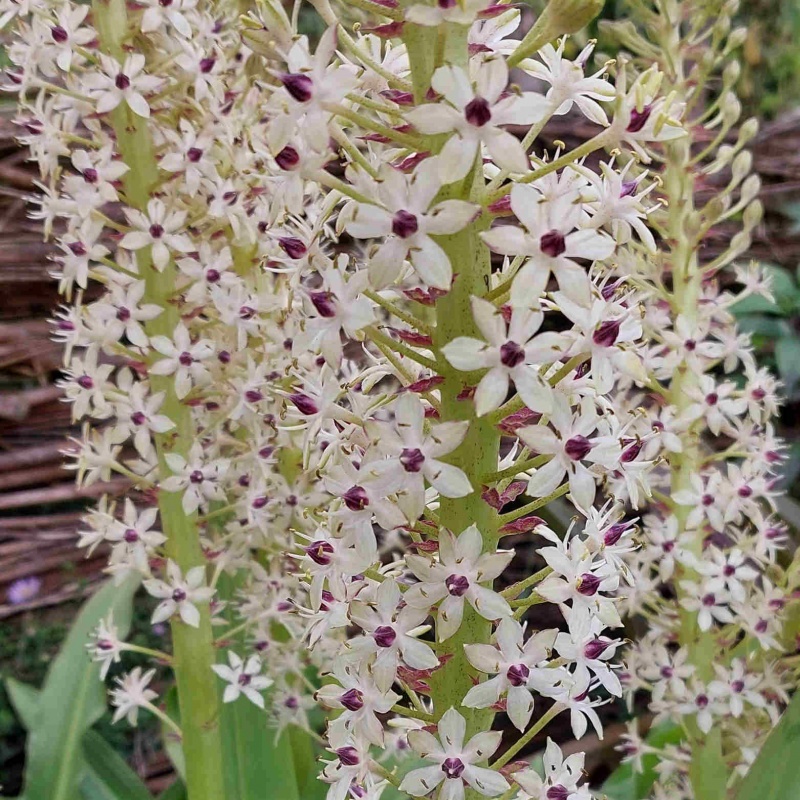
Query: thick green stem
(193,648)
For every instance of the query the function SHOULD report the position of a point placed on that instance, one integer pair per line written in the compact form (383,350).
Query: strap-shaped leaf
(72,700)
(774,773)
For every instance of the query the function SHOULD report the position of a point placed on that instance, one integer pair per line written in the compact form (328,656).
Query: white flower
(552,238)
(180,594)
(412,456)
(457,576)
(454,761)
(243,678)
(519,668)
(122,82)
(132,694)
(182,358)
(389,635)
(474,115)
(510,352)
(159,229)
(561,777)
(404,215)
(106,646)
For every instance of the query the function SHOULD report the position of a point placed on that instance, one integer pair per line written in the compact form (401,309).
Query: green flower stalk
(711,659)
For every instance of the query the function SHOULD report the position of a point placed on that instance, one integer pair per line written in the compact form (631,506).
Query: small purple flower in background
(23,590)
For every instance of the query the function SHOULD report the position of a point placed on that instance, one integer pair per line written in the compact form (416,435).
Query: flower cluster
(341,317)
(707,577)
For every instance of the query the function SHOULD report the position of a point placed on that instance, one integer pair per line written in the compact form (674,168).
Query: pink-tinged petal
(369,222)
(454,84)
(540,439)
(448,621)
(486,781)
(492,80)
(489,320)
(189,614)
(519,707)
(417,654)
(445,437)
(490,605)
(138,105)
(431,263)
(589,244)
(510,240)
(433,118)
(582,487)
(420,782)
(387,261)
(492,391)
(507,152)
(456,158)
(492,565)
(546,479)
(448,480)
(484,694)
(452,729)
(466,354)
(484,657)
(450,216)
(469,545)
(509,637)
(452,789)
(535,393)
(524,109)
(135,240)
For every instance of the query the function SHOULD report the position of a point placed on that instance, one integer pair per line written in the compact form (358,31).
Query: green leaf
(25,700)
(110,769)
(787,357)
(168,736)
(625,784)
(773,775)
(175,791)
(72,700)
(306,765)
(252,758)
(769,327)
(708,771)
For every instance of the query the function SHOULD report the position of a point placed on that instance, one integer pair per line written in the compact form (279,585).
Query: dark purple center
(557,792)
(288,158)
(639,119)
(384,635)
(90,175)
(352,700)
(457,585)
(304,404)
(178,595)
(607,333)
(552,243)
(588,584)
(300,87)
(196,476)
(156,230)
(320,552)
(348,756)
(59,34)
(185,359)
(85,382)
(404,224)
(518,674)
(325,304)
(412,459)
(130,536)
(578,447)
(138,418)
(194,154)
(596,648)
(244,679)
(292,246)
(511,354)
(477,112)
(453,767)
(355,498)
(122,81)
